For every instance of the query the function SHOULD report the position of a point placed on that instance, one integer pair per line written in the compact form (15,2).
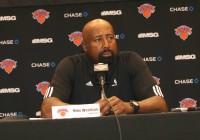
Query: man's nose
(105,43)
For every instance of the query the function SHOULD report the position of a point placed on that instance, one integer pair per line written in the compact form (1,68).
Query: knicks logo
(40,15)
(42,87)
(76,38)
(8,65)
(62,112)
(188,102)
(146,10)
(183,31)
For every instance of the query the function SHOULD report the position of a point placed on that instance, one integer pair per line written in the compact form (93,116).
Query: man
(131,88)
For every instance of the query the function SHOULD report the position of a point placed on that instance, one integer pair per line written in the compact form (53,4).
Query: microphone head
(100,69)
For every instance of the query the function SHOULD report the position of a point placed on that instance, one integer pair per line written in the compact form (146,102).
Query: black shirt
(129,79)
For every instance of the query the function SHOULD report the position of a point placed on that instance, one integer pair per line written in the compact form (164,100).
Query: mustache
(106,50)
(103,59)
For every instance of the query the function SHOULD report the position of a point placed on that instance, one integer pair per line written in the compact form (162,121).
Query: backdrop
(35,37)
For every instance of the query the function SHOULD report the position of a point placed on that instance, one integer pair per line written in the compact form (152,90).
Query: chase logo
(146,10)
(183,32)
(187,81)
(76,15)
(8,18)
(42,87)
(181,9)
(43,65)
(111,13)
(153,59)
(8,114)
(10,42)
(120,36)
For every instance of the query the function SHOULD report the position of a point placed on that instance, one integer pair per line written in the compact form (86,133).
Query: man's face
(100,44)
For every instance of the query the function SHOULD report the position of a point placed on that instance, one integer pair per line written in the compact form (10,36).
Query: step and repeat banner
(16,3)
(33,39)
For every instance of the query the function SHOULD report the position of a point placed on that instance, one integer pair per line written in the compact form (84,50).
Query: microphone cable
(116,117)
(103,96)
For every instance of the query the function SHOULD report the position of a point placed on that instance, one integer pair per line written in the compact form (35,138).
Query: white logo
(111,13)
(185,57)
(181,9)
(70,15)
(2,115)
(119,36)
(116,36)
(10,90)
(76,15)
(149,58)
(6,42)
(152,59)
(115,83)
(7,18)
(43,65)
(34,65)
(9,42)
(148,35)
(89,84)
(187,81)
(42,40)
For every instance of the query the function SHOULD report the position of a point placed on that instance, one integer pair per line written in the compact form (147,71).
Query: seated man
(131,87)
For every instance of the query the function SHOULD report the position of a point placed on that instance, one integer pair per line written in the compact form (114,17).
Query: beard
(106,60)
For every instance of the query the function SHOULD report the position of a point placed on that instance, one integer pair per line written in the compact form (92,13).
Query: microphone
(100,73)
(101,76)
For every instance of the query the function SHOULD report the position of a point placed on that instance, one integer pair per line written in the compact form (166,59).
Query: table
(158,126)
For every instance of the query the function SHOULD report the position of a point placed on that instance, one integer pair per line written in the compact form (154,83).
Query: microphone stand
(102,83)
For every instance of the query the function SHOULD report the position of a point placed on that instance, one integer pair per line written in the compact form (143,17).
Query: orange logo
(62,112)
(8,65)
(42,87)
(188,102)
(40,15)
(146,10)
(183,31)
(76,38)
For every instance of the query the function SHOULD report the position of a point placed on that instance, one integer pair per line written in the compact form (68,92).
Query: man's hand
(105,107)
(119,106)
(116,105)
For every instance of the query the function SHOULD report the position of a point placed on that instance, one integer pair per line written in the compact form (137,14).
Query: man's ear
(84,46)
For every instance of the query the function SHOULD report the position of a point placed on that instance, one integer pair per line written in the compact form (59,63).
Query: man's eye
(110,37)
(97,40)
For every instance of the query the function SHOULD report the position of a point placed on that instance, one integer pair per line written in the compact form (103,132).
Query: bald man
(130,88)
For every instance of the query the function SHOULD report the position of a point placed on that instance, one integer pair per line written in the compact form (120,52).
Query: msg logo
(10,90)
(185,57)
(148,35)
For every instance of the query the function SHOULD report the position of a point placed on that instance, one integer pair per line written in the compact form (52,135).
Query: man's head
(99,42)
